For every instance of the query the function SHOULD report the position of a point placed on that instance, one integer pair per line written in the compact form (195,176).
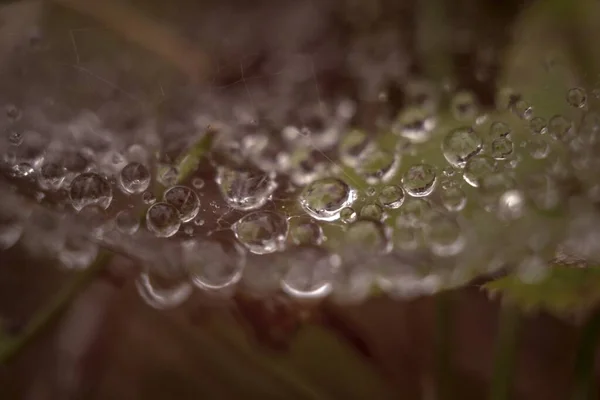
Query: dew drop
(415,124)
(523,109)
(198,222)
(163,220)
(538,125)
(453,199)
(325,198)
(77,253)
(576,97)
(366,237)
(502,148)
(15,137)
(419,180)
(414,212)
(51,176)
(391,196)
(245,189)
(213,265)
(134,178)
(11,229)
(560,127)
(499,129)
(307,233)
(127,222)
(377,165)
(162,297)
(537,148)
(478,168)
(198,183)
(461,144)
(90,189)
(445,237)
(464,106)
(185,200)
(261,232)
(511,205)
(148,198)
(372,211)
(348,215)
(309,272)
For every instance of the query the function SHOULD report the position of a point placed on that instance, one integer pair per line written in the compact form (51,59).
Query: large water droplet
(372,211)
(262,232)
(163,220)
(307,233)
(538,125)
(419,180)
(185,200)
(325,198)
(502,148)
(245,189)
(478,168)
(309,272)
(415,124)
(51,176)
(90,189)
(127,222)
(377,165)
(560,127)
(212,265)
(348,215)
(461,144)
(391,196)
(134,178)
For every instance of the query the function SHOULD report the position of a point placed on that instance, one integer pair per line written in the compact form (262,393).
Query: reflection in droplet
(309,272)
(163,220)
(478,168)
(453,199)
(162,298)
(419,180)
(461,144)
(324,199)
(261,232)
(511,205)
(348,215)
(245,189)
(502,148)
(212,265)
(391,196)
(134,178)
(51,176)
(576,97)
(90,189)
(306,233)
(185,200)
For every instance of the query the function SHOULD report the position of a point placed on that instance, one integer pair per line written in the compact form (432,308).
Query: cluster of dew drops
(322,210)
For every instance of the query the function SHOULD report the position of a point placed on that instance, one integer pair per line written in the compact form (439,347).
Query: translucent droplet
(353,147)
(325,198)
(419,180)
(538,125)
(163,220)
(444,237)
(51,176)
(371,191)
(77,252)
(307,233)
(464,106)
(523,109)
(127,222)
(90,189)
(576,97)
(348,215)
(372,211)
(185,200)
(406,237)
(415,124)
(391,196)
(95,219)
(502,148)
(499,129)
(261,232)
(134,178)
(352,284)
(309,272)
(148,198)
(188,230)
(511,205)
(532,269)
(198,222)
(245,189)
(162,297)
(377,165)
(168,176)
(537,148)
(213,265)
(453,199)
(560,127)
(461,144)
(413,213)
(198,183)
(492,186)
(367,236)
(477,168)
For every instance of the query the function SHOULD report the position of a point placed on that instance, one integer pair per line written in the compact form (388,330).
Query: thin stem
(11,345)
(584,385)
(505,354)
(443,346)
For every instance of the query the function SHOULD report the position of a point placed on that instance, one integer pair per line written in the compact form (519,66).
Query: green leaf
(565,291)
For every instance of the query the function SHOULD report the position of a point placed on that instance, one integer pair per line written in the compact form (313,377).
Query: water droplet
(213,265)
(185,200)
(162,297)
(127,222)
(419,180)
(95,220)
(511,205)
(325,198)
(134,178)
(538,125)
(198,222)
(413,213)
(502,148)
(371,191)
(444,237)
(198,183)
(464,106)
(77,252)
(352,284)
(461,144)
(168,176)
(354,146)
(407,237)
(148,198)
(162,219)
(307,233)
(366,237)
(245,189)
(310,272)
(523,109)
(499,129)
(415,124)
(492,186)
(576,97)
(532,269)
(51,176)
(261,232)
(372,211)
(90,189)
(538,148)
(477,168)
(348,215)
(377,165)
(391,196)
(15,137)
(560,127)
(454,199)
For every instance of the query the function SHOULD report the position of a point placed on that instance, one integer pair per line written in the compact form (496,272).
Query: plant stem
(584,385)
(11,345)
(443,345)
(505,354)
